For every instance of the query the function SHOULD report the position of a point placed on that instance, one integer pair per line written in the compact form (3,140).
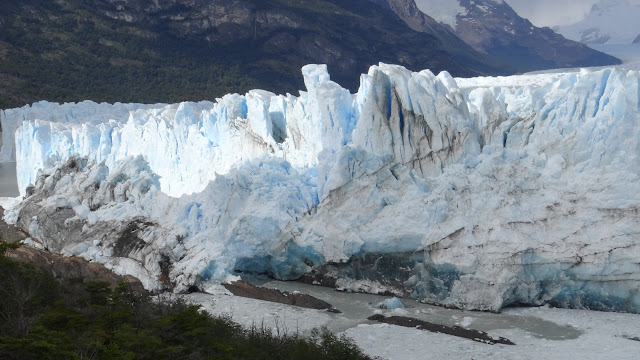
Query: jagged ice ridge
(477,193)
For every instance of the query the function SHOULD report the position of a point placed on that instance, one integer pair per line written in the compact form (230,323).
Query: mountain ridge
(173,50)
(608,22)
(493,28)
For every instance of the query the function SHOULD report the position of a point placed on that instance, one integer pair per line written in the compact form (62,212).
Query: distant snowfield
(628,53)
(534,79)
(443,11)
(608,22)
(539,333)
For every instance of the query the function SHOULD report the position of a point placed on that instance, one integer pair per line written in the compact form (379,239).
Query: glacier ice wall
(87,112)
(476,193)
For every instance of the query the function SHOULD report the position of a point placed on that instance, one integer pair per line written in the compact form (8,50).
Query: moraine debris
(475,335)
(244,289)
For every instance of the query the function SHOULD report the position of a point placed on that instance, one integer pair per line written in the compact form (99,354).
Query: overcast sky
(554,12)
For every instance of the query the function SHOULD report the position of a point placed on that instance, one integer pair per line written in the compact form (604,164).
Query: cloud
(554,12)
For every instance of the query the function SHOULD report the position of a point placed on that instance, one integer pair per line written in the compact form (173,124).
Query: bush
(46,319)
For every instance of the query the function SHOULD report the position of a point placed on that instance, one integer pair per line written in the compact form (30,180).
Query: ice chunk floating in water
(475,193)
(389,304)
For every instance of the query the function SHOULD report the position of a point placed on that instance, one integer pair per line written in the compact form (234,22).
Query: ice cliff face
(84,113)
(475,193)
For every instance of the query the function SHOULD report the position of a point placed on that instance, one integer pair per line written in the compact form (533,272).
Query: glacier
(473,193)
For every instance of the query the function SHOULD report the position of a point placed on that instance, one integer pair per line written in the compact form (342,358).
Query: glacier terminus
(475,193)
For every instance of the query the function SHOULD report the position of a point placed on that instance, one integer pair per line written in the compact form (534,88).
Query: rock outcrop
(244,289)
(73,268)
(9,232)
(475,335)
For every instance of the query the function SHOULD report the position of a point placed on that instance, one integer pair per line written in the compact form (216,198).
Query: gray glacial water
(8,180)
(355,310)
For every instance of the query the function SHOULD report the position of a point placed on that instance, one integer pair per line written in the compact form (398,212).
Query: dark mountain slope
(173,50)
(408,11)
(496,29)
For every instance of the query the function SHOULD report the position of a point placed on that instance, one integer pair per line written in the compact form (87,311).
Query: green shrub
(47,319)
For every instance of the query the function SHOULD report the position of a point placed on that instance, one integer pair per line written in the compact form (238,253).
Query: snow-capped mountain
(492,27)
(608,22)
(475,193)
(444,11)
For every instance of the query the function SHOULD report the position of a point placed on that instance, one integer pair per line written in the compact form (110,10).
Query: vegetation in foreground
(41,318)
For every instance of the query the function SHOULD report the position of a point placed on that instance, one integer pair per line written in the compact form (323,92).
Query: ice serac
(187,144)
(475,193)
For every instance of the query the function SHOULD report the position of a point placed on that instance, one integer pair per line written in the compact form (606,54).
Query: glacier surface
(474,193)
